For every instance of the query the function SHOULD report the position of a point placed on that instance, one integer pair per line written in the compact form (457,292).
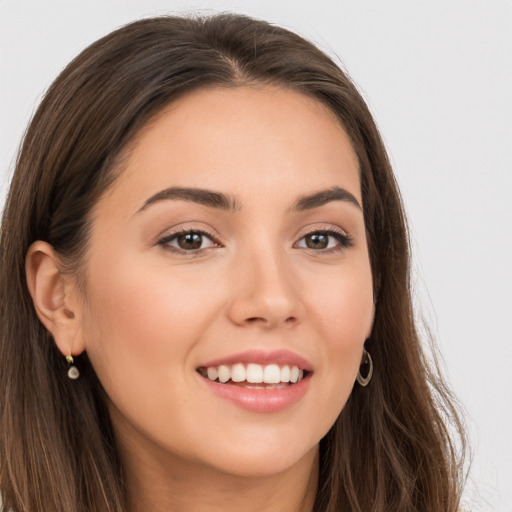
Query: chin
(260,456)
(262,464)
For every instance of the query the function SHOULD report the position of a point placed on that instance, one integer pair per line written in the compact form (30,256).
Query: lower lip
(260,400)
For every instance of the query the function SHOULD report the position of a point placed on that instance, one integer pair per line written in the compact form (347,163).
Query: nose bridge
(265,290)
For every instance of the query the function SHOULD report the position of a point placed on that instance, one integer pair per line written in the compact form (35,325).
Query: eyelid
(319,227)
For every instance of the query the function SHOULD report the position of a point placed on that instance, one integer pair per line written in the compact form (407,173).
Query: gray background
(438,78)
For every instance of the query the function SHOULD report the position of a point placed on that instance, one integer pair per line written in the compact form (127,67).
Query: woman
(205,289)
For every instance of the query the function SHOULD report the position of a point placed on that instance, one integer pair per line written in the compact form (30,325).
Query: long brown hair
(391,447)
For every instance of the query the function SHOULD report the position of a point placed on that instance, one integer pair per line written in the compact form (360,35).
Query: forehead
(241,140)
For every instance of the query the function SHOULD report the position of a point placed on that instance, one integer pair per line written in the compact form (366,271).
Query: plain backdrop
(437,75)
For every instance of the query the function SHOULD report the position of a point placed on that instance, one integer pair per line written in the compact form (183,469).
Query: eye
(325,240)
(188,241)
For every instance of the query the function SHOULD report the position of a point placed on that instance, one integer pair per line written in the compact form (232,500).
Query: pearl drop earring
(73,372)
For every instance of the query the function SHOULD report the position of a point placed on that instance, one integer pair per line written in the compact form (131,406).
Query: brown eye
(188,241)
(317,241)
(325,241)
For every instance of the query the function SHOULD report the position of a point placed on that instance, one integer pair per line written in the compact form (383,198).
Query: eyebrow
(325,196)
(194,195)
(228,203)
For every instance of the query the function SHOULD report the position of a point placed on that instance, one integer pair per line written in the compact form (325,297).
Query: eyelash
(344,240)
(165,241)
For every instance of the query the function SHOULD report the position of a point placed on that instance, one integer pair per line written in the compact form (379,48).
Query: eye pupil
(317,241)
(190,241)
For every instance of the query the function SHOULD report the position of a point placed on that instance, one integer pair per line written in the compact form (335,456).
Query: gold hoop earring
(73,372)
(367,360)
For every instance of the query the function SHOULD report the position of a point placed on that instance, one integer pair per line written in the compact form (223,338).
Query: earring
(73,372)
(367,360)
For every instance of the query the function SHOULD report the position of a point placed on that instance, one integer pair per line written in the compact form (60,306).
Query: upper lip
(263,357)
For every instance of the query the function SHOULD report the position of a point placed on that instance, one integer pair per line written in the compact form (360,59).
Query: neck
(165,483)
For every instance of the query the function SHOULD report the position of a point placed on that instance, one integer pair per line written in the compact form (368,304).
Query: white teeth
(285,374)
(212,373)
(238,373)
(272,374)
(255,373)
(224,374)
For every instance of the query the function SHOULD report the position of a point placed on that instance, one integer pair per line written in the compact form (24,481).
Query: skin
(150,315)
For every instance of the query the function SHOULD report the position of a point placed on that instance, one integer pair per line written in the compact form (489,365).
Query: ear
(55,298)
(372,321)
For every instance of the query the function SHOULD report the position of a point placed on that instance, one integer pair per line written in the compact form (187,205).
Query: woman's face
(232,246)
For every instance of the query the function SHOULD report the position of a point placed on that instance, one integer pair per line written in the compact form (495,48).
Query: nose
(265,292)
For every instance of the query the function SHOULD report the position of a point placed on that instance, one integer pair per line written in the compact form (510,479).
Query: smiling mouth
(255,376)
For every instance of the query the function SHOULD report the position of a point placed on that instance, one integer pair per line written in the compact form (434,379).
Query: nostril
(255,319)
(270,322)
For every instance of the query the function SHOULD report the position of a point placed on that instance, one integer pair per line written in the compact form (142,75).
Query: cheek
(140,318)
(143,324)
(146,316)
(343,315)
(343,305)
